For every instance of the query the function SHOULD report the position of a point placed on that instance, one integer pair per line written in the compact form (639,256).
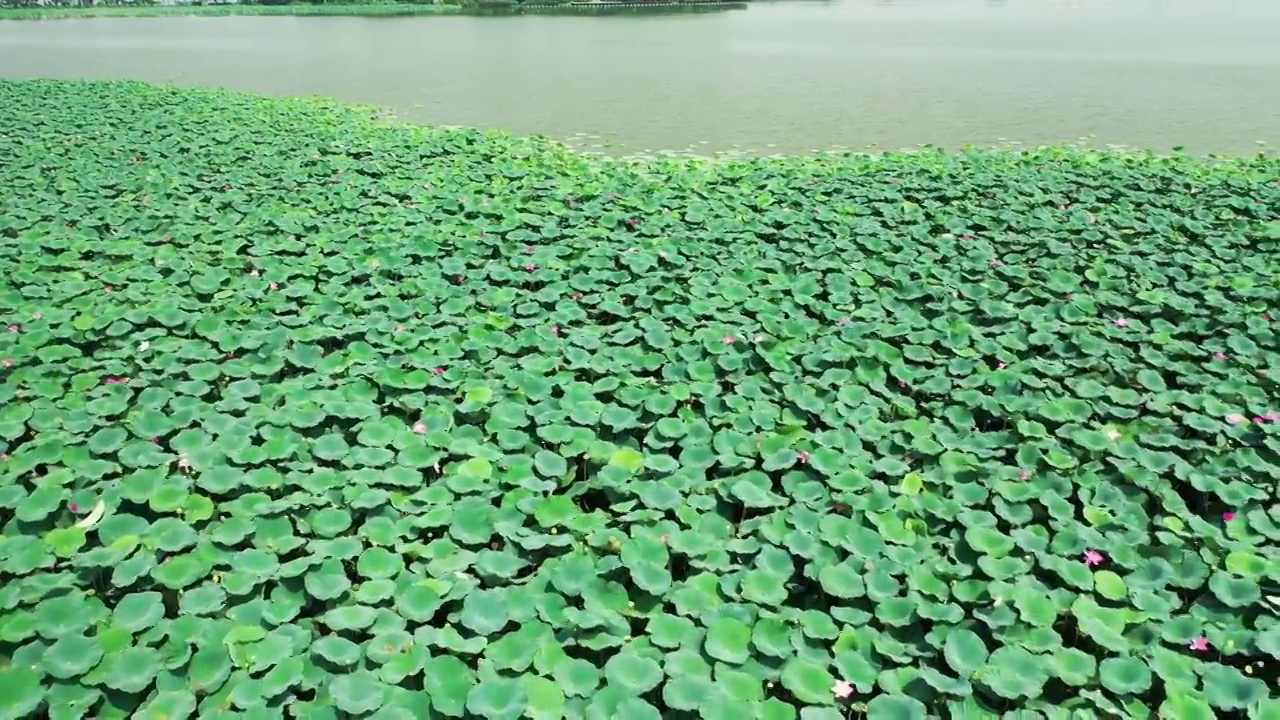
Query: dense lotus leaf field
(306,414)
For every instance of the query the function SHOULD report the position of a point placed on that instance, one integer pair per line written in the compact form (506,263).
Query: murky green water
(778,76)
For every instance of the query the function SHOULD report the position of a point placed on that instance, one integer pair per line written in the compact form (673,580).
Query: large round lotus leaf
(729,640)
(808,681)
(1124,675)
(1190,706)
(964,651)
(23,692)
(577,677)
(545,699)
(357,693)
(497,698)
(71,656)
(635,673)
(896,707)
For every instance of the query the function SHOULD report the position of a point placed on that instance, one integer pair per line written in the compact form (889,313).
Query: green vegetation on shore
(303,412)
(378,9)
(351,9)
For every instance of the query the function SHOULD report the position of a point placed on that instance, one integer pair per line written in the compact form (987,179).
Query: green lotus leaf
(337,650)
(729,640)
(578,678)
(65,542)
(627,459)
(964,651)
(1124,676)
(1109,585)
(168,704)
(130,670)
(1226,688)
(808,681)
(448,681)
(357,692)
(1190,706)
(497,697)
(898,707)
(138,611)
(485,612)
(23,693)
(71,656)
(635,673)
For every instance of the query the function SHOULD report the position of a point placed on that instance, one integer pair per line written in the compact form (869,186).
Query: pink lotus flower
(437,371)
(1002,366)
(1121,322)
(1257,419)
(530,267)
(8,363)
(996,264)
(1228,516)
(842,689)
(1200,644)
(575,296)
(113,380)
(1235,419)
(1273,415)
(729,339)
(36,316)
(155,441)
(555,329)
(528,251)
(73,507)
(1024,474)
(1093,558)
(804,457)
(1219,356)
(419,427)
(633,222)
(14,328)
(966,237)
(184,463)
(273,286)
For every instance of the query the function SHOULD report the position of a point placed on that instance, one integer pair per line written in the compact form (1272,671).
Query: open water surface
(784,76)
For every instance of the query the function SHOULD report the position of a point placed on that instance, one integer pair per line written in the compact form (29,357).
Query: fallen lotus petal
(88,522)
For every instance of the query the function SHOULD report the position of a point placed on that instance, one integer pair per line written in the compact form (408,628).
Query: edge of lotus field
(308,412)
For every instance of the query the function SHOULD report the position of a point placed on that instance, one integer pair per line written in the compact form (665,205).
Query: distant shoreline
(226,10)
(367,10)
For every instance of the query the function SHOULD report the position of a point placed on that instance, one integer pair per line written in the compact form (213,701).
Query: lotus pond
(307,414)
